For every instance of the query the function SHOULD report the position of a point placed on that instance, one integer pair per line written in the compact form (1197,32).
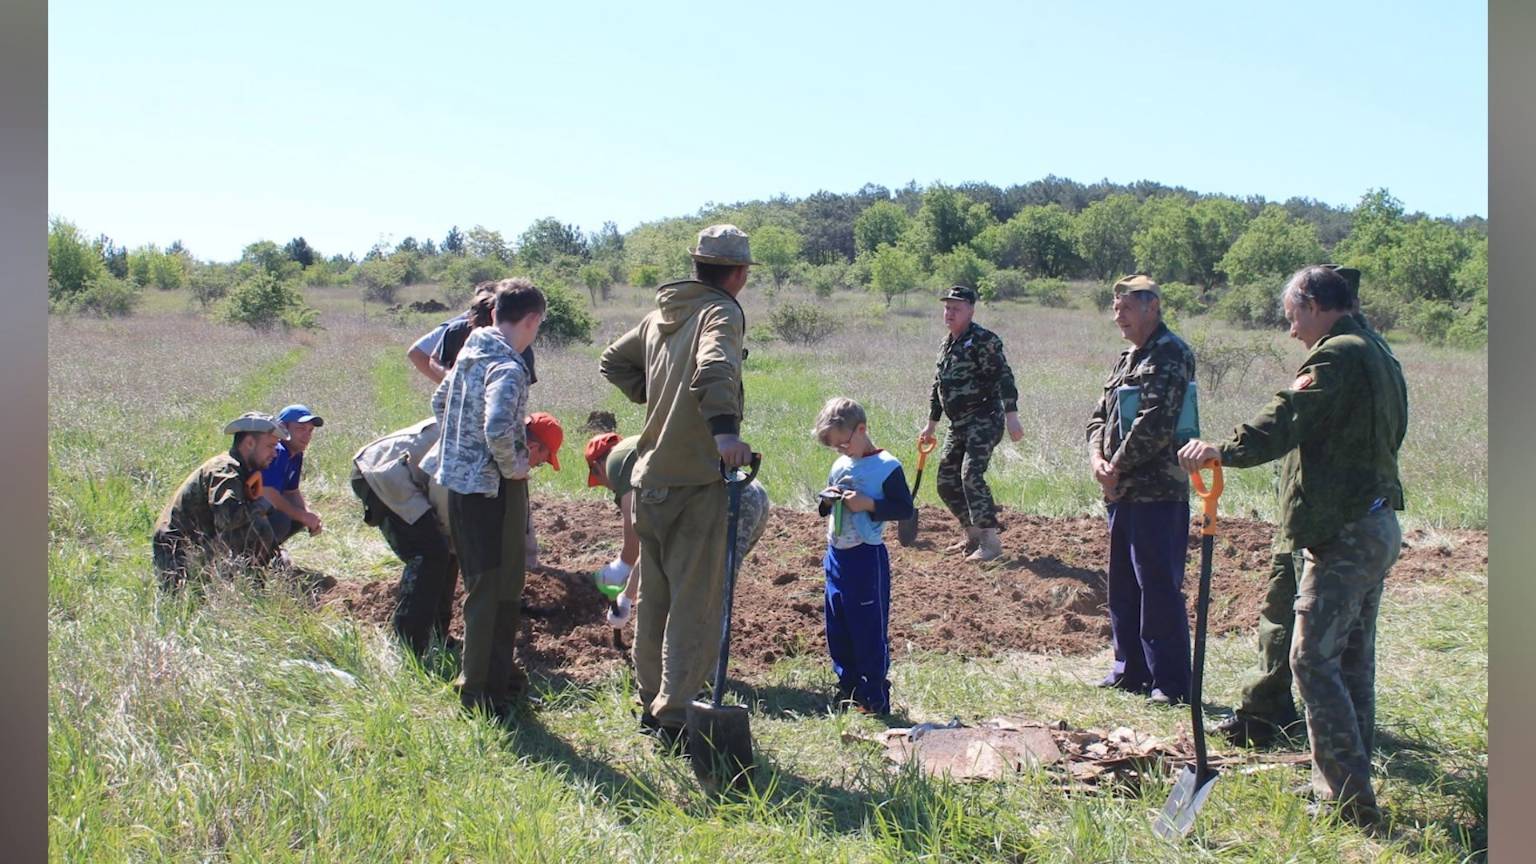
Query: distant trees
(1273,246)
(893,271)
(883,223)
(777,249)
(547,239)
(1103,234)
(299,251)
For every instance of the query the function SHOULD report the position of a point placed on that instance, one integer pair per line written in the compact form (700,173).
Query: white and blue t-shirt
(879,476)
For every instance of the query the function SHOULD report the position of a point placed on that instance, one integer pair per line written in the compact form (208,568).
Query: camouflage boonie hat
(255,421)
(962,293)
(722,244)
(1138,282)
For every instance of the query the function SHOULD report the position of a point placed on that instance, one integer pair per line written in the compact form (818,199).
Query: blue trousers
(858,614)
(1148,545)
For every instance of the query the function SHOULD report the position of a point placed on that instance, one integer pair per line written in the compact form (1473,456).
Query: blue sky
(344,122)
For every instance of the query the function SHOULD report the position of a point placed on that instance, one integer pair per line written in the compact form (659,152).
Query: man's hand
(1195,454)
(311,521)
(1107,477)
(618,612)
(734,452)
(1015,428)
(926,434)
(858,503)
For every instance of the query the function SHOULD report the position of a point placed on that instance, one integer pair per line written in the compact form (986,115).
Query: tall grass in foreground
(215,726)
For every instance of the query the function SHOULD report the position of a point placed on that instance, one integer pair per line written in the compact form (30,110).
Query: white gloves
(618,613)
(615,572)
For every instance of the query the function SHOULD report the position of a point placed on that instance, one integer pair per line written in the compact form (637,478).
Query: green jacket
(1337,430)
(214,508)
(683,362)
(973,378)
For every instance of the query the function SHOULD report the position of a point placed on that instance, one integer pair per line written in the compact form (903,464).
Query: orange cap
(547,429)
(597,449)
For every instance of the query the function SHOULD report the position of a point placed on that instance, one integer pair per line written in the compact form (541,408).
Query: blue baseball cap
(299,414)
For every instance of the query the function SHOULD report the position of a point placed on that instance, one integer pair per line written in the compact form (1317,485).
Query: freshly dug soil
(1046,594)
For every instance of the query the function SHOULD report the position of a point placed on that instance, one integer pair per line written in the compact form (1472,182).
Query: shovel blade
(906,529)
(1188,796)
(720,745)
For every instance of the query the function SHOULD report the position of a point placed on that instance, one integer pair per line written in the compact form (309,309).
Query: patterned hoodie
(480,408)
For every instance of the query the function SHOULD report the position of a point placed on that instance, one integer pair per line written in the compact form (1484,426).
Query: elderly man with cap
(974,388)
(215,514)
(280,480)
(1133,443)
(683,362)
(611,465)
(1336,430)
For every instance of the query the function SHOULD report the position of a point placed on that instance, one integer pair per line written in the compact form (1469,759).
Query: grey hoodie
(683,362)
(480,407)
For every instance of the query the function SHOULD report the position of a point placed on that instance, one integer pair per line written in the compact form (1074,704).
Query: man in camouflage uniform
(974,388)
(216,513)
(1265,707)
(1133,452)
(1337,430)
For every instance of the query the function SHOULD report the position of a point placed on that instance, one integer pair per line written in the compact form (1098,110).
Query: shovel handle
(734,475)
(1208,497)
(924,447)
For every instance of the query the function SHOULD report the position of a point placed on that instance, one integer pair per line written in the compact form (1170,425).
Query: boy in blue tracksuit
(865,489)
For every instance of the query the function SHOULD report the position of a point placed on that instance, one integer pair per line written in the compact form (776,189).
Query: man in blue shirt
(280,479)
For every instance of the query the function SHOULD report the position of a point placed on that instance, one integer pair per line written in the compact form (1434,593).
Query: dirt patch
(1046,594)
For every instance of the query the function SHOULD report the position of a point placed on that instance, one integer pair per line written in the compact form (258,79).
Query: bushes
(1102,297)
(1254,306)
(464,273)
(263,301)
(827,278)
(1222,358)
(1002,285)
(381,279)
(73,263)
(645,276)
(1051,293)
(801,323)
(105,296)
(209,283)
(1181,300)
(566,320)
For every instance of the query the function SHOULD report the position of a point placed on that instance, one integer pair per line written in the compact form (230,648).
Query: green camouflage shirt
(214,509)
(1146,456)
(973,378)
(1337,430)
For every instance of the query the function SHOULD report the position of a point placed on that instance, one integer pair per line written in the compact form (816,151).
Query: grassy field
(181,730)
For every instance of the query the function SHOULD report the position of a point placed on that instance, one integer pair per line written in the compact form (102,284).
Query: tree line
(1212,253)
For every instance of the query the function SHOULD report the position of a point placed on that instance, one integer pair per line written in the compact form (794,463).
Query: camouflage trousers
(1266,693)
(1333,652)
(963,466)
(753,519)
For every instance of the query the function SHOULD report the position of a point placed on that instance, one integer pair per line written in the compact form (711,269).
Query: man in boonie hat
(683,363)
(216,514)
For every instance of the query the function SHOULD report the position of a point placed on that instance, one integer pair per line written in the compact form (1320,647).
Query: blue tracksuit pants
(1148,543)
(858,614)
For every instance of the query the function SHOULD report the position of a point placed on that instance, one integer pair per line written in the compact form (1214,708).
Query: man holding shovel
(974,388)
(683,362)
(1337,430)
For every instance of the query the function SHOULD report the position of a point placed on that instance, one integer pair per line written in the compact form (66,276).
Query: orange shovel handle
(1208,496)
(924,447)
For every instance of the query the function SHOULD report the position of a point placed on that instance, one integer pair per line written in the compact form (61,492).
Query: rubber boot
(968,543)
(988,546)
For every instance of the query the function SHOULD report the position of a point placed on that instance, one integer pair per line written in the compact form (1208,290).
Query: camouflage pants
(1333,652)
(963,466)
(753,519)
(1266,693)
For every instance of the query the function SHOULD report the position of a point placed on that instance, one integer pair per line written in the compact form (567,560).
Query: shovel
(720,736)
(1195,782)
(906,529)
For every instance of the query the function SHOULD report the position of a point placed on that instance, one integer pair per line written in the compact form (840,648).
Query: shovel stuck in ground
(906,529)
(720,736)
(1195,781)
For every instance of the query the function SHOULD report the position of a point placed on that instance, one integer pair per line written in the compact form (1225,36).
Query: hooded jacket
(480,407)
(683,362)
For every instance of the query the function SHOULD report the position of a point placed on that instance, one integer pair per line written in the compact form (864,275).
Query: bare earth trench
(1045,595)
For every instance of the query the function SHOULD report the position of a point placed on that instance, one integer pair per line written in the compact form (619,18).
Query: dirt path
(1045,595)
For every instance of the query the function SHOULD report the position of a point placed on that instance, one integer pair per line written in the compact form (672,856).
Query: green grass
(209,726)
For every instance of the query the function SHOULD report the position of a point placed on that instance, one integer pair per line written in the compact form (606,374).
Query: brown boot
(988,546)
(968,543)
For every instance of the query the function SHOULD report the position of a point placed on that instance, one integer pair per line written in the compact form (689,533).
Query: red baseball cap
(547,429)
(597,449)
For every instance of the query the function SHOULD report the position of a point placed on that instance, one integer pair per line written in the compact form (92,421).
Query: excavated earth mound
(1046,594)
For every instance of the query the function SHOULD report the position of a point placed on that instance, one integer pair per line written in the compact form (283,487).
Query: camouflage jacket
(480,408)
(973,378)
(1337,430)
(217,508)
(1146,456)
